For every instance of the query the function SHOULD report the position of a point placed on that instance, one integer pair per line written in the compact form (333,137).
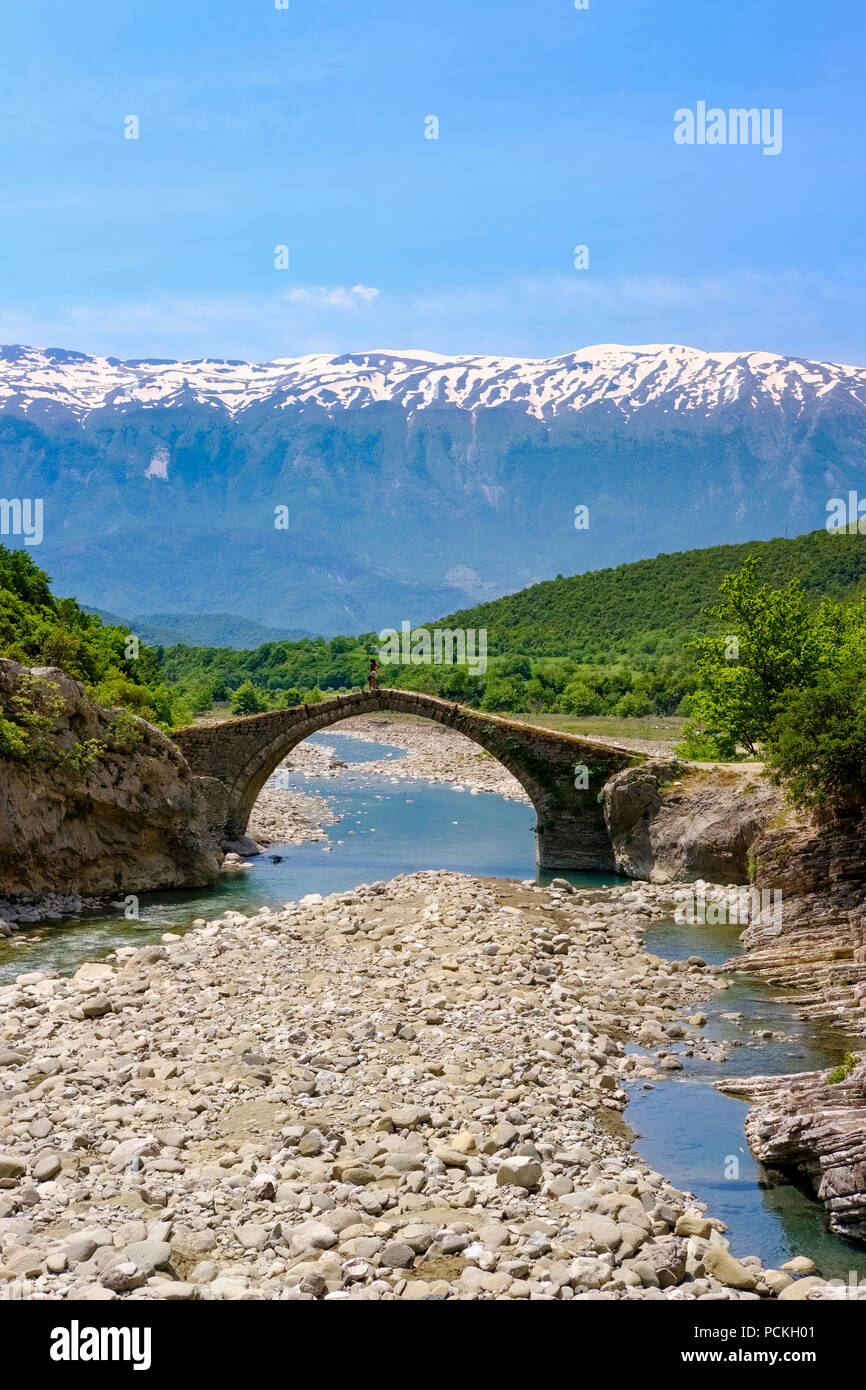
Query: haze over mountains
(415,484)
(200,629)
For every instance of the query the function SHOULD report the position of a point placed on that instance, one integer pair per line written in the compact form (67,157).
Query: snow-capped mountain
(627,378)
(412,484)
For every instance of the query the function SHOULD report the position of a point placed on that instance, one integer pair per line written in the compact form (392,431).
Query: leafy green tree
(770,643)
(786,680)
(536,694)
(200,699)
(817,744)
(248,700)
(514,666)
(505,693)
(633,705)
(579,698)
(338,678)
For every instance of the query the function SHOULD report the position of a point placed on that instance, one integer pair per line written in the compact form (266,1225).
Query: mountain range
(200,629)
(348,493)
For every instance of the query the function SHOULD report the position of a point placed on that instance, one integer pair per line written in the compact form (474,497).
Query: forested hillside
(38,629)
(654,606)
(615,641)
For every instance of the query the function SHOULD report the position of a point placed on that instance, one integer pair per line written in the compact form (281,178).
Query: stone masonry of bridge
(233,760)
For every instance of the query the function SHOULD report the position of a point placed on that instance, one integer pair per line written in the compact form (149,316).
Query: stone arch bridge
(233,760)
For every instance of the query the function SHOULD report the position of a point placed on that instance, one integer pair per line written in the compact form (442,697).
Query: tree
(633,705)
(787,679)
(507,694)
(818,743)
(771,642)
(514,666)
(248,700)
(579,698)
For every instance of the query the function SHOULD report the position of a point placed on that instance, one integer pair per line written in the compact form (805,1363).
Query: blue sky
(305,127)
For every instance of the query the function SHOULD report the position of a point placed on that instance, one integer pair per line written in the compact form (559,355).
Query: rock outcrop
(820,950)
(96,801)
(817,1127)
(816,945)
(672,823)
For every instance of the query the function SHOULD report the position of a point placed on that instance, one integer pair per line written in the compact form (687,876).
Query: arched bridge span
(235,758)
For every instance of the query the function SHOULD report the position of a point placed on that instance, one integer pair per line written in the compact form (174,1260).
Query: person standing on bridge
(372,683)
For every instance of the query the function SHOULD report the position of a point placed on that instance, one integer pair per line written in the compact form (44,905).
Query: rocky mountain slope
(413,484)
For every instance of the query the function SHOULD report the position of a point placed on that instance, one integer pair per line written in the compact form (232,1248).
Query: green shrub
(579,698)
(844,1069)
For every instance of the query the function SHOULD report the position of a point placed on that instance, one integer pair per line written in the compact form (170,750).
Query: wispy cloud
(523,316)
(338,298)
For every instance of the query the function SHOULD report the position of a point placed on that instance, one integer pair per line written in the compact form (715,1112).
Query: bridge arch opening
(258,776)
(389,765)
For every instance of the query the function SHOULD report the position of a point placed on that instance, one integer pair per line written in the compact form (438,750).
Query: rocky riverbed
(434,753)
(282,816)
(410,1090)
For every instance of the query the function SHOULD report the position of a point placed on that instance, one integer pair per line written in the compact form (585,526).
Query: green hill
(655,606)
(613,641)
(38,629)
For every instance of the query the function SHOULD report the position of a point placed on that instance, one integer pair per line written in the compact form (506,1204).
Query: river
(687,1129)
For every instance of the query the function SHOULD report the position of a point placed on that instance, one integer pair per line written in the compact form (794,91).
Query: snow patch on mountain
(626,379)
(158,466)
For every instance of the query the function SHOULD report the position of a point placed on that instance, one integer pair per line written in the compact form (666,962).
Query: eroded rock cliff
(672,823)
(92,801)
(818,945)
(817,1127)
